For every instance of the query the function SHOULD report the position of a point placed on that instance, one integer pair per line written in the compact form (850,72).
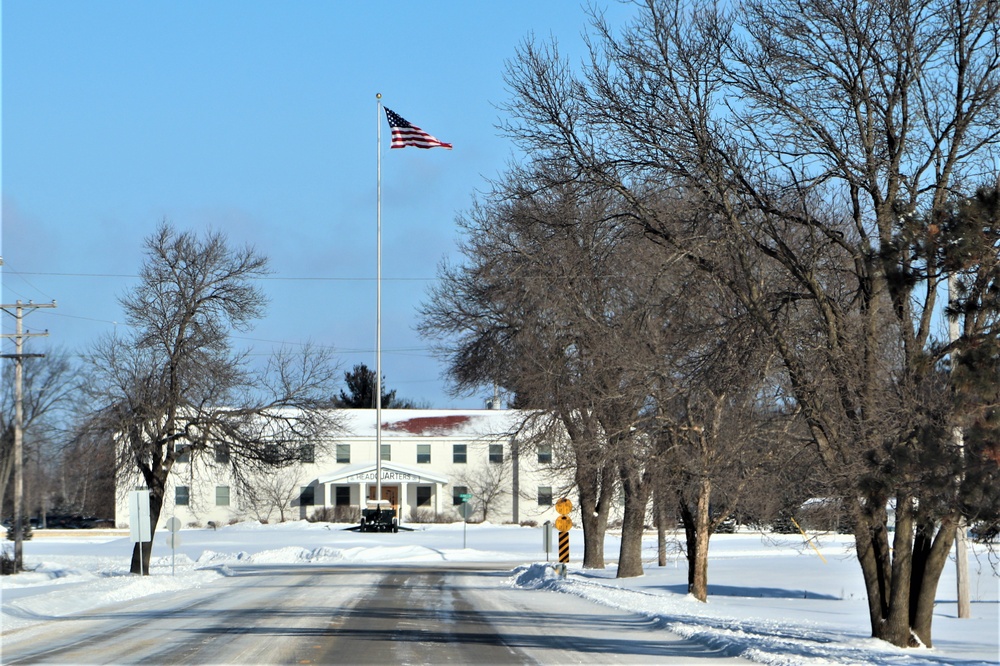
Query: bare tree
(719,443)
(86,472)
(488,485)
(175,386)
(274,492)
(714,415)
(51,391)
(817,140)
(546,308)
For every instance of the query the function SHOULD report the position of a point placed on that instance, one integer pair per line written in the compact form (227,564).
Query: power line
(70,316)
(265,278)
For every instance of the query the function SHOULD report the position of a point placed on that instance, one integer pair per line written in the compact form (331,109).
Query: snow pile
(536,577)
(87,592)
(210,557)
(294,555)
(785,640)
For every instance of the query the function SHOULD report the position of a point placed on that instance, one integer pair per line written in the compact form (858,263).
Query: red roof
(429,425)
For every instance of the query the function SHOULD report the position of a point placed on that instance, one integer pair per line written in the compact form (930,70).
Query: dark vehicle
(727,526)
(379,517)
(75,521)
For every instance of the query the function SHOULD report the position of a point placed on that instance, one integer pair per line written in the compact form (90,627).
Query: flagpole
(378,311)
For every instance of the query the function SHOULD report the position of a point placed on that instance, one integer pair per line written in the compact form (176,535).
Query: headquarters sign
(387,475)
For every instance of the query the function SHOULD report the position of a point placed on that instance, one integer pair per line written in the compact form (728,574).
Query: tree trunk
(698,556)
(896,625)
(660,513)
(145,553)
(144,549)
(872,549)
(635,488)
(902,581)
(688,519)
(930,555)
(594,492)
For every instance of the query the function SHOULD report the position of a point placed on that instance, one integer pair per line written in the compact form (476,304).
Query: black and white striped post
(563,523)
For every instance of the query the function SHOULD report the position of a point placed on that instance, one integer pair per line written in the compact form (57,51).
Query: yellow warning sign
(563,506)
(564,523)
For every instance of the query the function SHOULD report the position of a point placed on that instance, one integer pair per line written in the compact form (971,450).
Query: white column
(363,490)
(437,497)
(403,502)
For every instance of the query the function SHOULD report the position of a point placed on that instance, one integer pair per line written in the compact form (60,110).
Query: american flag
(404,134)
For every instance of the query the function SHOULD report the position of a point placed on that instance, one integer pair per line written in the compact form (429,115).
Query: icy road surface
(274,614)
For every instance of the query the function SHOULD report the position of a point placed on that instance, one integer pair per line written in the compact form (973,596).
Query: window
(342,496)
(423,496)
(496,453)
(222,452)
(308,496)
(456,493)
(183,452)
(545,453)
(387,452)
(544,495)
(423,453)
(272,453)
(343,453)
(459,453)
(307,453)
(182,495)
(222,496)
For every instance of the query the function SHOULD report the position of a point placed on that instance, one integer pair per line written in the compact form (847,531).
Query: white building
(430,459)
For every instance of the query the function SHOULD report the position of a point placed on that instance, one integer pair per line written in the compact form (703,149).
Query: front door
(390,493)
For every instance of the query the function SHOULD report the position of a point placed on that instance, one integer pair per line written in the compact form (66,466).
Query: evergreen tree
(26,532)
(360,392)
(970,252)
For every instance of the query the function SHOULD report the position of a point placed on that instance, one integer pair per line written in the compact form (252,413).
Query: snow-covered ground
(772,598)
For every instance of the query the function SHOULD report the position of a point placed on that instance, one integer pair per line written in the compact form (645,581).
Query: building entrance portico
(400,485)
(389,492)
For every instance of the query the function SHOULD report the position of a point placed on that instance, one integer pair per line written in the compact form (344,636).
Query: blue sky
(257,119)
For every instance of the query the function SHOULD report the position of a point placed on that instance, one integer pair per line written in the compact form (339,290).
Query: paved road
(444,614)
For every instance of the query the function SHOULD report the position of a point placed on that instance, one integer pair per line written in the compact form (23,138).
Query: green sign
(465,497)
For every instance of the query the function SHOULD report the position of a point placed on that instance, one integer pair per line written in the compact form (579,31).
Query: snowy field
(772,598)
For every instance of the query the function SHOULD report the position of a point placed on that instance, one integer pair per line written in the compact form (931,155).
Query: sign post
(563,523)
(465,497)
(139,528)
(173,540)
(547,538)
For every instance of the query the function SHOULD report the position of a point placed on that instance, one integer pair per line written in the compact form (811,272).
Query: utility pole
(961,544)
(17,310)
